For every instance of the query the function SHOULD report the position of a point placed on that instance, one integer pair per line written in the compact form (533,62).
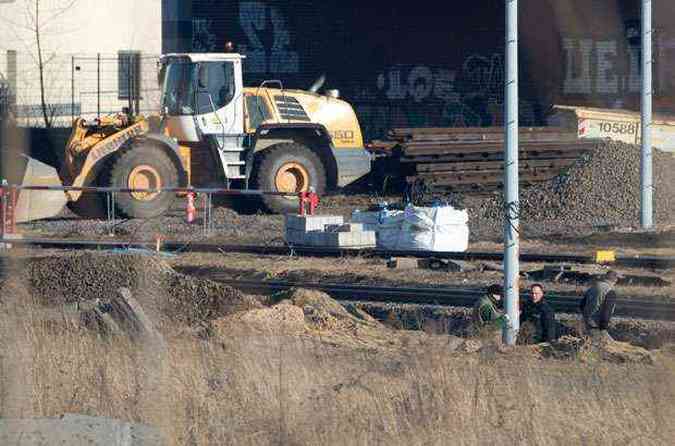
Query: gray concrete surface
(76,430)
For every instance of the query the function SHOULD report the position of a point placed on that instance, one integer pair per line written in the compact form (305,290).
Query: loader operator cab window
(215,86)
(179,92)
(197,88)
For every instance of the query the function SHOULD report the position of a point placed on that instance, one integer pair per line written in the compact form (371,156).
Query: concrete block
(357,239)
(78,430)
(303,231)
(308,223)
(347,227)
(368,238)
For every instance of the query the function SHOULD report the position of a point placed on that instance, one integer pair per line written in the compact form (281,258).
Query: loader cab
(202,94)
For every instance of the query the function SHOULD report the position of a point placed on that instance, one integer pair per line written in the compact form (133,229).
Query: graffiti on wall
(613,67)
(273,55)
(204,39)
(601,67)
(423,96)
(265,37)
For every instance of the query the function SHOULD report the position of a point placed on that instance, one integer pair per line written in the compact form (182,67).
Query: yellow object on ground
(605,257)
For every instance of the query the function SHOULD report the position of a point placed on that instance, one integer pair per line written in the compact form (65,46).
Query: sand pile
(313,313)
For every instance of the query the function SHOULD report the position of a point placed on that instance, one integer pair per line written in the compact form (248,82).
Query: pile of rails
(472,159)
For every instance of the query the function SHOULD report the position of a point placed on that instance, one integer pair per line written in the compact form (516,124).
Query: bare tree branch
(59,12)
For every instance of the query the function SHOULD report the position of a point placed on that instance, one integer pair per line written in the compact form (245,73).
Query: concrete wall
(426,63)
(73,34)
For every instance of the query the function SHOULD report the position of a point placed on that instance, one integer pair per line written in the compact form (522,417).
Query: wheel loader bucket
(36,204)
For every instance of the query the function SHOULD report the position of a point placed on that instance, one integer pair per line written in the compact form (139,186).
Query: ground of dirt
(300,368)
(231,227)
(171,288)
(72,278)
(374,271)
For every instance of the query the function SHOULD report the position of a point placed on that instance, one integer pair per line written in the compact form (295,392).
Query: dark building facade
(423,64)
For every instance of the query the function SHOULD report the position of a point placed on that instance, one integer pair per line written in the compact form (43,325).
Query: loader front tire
(288,167)
(143,166)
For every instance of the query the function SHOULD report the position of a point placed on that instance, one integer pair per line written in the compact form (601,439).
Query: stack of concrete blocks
(328,231)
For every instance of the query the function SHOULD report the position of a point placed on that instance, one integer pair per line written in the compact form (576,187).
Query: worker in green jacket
(489,317)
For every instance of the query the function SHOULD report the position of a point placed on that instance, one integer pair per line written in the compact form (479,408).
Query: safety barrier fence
(9,195)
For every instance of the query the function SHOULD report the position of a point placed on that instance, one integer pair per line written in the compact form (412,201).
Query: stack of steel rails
(472,159)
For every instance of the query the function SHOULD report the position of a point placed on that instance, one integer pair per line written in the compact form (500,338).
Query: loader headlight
(333,93)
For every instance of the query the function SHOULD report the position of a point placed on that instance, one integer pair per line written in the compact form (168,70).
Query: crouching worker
(489,318)
(537,317)
(599,301)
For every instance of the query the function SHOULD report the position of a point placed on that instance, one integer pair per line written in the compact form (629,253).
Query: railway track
(446,296)
(624,261)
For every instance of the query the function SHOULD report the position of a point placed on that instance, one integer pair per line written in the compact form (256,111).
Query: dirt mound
(88,276)
(324,313)
(283,317)
(647,334)
(601,188)
(311,312)
(597,346)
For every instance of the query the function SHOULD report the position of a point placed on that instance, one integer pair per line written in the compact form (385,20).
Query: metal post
(98,85)
(210,213)
(511,248)
(13,198)
(110,200)
(137,83)
(3,197)
(129,85)
(72,88)
(206,215)
(646,176)
(207,224)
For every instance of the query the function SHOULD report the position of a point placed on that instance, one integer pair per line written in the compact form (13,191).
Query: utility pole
(646,162)
(511,203)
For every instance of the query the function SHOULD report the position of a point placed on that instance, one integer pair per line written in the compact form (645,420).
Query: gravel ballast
(602,188)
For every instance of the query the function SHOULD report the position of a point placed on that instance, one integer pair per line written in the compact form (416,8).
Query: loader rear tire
(288,167)
(143,166)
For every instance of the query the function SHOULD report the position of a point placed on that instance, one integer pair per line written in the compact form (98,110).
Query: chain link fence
(78,85)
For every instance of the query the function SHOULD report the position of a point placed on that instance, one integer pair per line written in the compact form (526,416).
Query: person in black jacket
(539,313)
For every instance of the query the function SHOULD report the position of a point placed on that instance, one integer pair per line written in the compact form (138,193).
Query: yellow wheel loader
(214,132)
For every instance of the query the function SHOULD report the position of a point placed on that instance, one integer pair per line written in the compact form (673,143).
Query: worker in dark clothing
(599,301)
(488,313)
(538,312)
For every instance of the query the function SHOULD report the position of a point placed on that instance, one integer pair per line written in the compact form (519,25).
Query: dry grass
(271,388)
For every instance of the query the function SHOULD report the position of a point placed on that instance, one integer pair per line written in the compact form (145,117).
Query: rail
(651,262)
(446,296)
